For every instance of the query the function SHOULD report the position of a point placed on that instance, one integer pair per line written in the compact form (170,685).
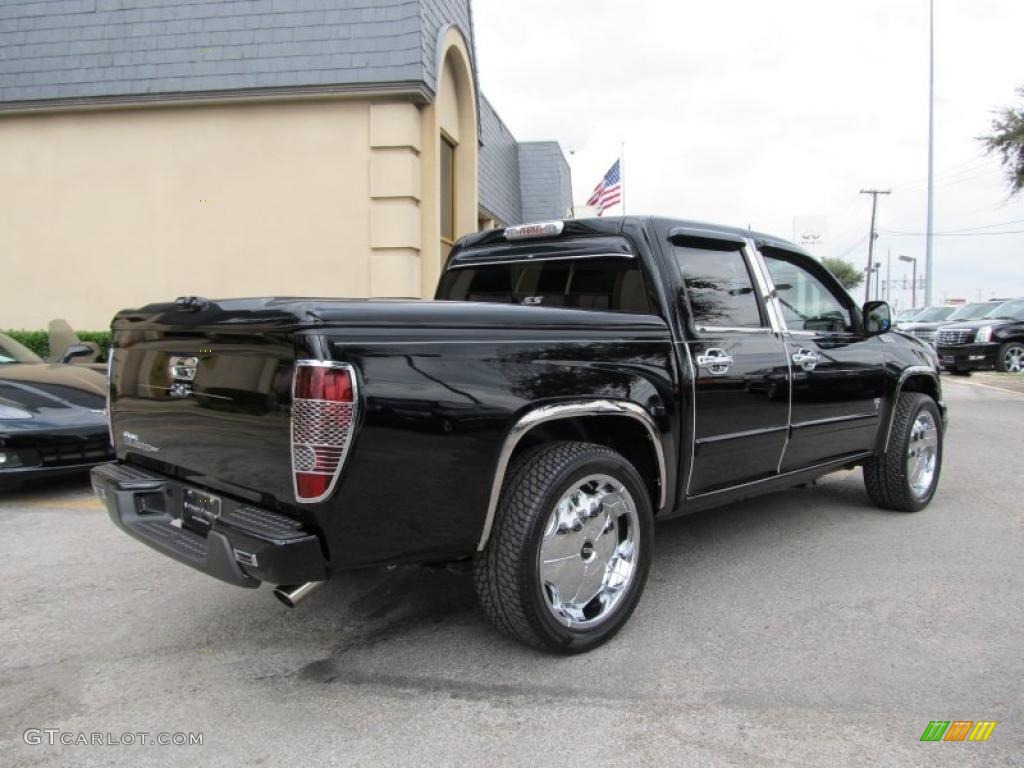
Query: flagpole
(622,174)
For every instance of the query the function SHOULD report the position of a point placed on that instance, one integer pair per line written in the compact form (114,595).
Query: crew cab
(995,341)
(572,383)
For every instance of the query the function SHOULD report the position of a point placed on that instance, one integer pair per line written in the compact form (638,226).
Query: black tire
(1001,357)
(885,477)
(506,574)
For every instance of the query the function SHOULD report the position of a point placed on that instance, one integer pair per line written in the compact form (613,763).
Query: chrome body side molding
(570,410)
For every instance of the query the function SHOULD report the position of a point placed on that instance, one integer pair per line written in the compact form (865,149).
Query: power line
(964,171)
(848,216)
(984,226)
(853,247)
(955,234)
(967,166)
(846,224)
(958,231)
(950,181)
(964,218)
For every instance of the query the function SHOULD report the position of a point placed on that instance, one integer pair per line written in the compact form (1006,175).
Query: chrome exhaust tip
(290,594)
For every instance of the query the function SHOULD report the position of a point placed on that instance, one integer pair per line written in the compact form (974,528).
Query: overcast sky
(748,112)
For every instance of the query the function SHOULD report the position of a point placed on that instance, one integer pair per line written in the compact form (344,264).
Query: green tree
(845,272)
(1007,141)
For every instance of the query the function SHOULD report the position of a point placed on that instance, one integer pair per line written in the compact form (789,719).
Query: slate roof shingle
(78,49)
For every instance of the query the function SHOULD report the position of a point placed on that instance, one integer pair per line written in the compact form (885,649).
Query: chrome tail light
(324,409)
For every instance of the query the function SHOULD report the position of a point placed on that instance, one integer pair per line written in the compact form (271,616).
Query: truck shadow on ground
(396,602)
(360,626)
(437,607)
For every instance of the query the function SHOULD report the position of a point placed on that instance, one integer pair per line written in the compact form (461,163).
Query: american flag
(608,192)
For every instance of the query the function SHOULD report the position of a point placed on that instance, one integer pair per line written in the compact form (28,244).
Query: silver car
(927,323)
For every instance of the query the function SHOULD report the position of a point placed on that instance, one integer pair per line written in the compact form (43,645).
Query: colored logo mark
(958,730)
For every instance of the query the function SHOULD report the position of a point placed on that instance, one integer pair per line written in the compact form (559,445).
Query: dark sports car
(52,420)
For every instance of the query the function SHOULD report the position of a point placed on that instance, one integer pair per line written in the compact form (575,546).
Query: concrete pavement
(806,628)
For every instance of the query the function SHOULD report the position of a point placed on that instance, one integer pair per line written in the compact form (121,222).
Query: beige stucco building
(327,149)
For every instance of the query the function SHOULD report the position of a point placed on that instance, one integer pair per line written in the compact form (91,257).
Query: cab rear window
(611,284)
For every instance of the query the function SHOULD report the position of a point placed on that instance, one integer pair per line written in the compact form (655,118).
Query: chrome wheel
(1013,359)
(922,454)
(589,552)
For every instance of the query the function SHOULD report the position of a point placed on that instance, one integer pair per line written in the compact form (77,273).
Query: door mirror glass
(877,318)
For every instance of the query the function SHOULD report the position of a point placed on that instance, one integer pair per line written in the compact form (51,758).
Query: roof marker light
(539,229)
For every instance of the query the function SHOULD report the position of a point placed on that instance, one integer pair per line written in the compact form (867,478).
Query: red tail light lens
(310,486)
(323,420)
(320,383)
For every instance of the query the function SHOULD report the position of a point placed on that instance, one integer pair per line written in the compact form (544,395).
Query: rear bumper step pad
(244,546)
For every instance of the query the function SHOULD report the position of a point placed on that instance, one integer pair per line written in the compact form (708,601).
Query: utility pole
(871,236)
(931,154)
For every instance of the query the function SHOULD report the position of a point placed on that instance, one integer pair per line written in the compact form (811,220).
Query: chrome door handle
(717,361)
(806,359)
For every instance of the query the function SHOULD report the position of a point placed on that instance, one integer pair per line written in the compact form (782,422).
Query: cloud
(747,112)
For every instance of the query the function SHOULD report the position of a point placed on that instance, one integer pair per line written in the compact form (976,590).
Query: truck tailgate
(207,404)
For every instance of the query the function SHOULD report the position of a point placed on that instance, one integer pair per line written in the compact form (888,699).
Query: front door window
(807,303)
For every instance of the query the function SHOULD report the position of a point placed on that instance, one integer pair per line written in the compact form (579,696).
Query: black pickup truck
(573,382)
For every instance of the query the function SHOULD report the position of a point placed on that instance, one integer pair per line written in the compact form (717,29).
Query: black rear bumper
(244,546)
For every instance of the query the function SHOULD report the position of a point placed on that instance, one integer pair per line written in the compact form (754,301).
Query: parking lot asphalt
(806,628)
(1006,381)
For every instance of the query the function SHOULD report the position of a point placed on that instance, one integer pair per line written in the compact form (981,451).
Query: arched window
(447,202)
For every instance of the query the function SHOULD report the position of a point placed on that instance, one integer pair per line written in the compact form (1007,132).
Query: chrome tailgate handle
(806,358)
(716,361)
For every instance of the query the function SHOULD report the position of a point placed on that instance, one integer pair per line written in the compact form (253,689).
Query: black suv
(995,341)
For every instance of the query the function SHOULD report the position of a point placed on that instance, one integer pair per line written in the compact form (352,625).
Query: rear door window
(612,284)
(718,284)
(1011,310)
